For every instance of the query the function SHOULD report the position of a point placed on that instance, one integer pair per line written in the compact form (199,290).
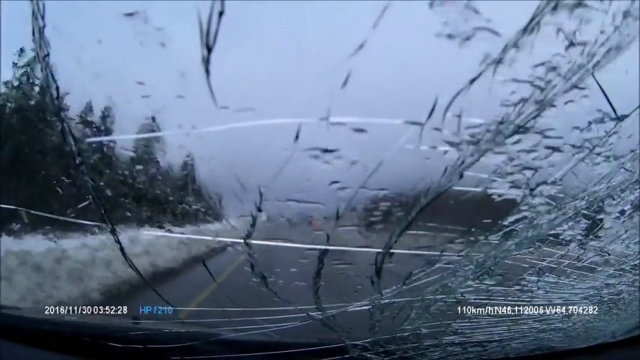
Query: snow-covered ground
(82,269)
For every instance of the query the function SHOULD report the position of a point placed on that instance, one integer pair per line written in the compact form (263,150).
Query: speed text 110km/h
(528,310)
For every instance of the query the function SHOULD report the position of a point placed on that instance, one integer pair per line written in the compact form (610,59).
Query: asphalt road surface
(236,301)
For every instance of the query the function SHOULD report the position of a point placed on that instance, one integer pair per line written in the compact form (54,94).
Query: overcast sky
(288,60)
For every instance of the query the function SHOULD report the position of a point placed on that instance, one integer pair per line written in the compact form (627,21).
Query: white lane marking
(303,246)
(444,226)
(483,176)
(51,215)
(490,191)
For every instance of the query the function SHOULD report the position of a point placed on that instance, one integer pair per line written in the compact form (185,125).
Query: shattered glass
(442,179)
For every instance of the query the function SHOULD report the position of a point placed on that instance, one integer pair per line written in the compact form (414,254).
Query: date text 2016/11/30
(156,310)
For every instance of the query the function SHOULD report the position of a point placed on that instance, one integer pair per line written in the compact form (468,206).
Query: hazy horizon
(279,60)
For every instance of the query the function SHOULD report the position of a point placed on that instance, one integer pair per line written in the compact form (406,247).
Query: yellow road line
(207,292)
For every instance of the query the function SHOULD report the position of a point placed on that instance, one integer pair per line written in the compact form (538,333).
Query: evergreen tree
(39,172)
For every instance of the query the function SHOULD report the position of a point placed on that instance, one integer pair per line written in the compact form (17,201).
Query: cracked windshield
(407,179)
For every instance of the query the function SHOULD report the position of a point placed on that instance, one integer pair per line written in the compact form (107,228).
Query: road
(236,301)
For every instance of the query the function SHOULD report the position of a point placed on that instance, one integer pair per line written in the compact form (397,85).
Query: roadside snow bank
(83,269)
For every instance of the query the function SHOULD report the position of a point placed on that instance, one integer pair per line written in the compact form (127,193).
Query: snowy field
(82,269)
